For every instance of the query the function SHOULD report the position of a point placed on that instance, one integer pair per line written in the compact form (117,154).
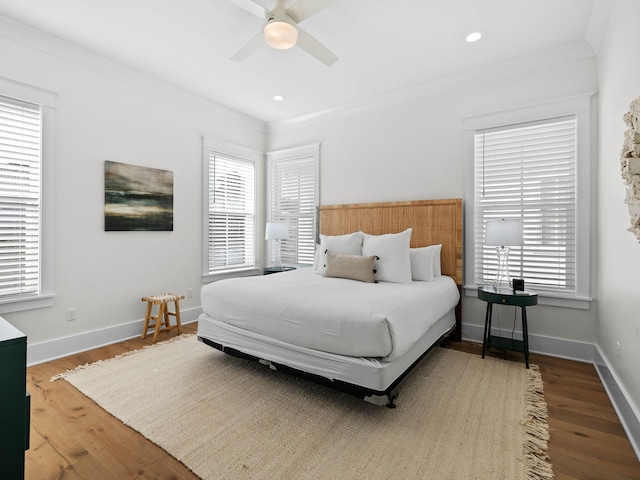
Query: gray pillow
(353,267)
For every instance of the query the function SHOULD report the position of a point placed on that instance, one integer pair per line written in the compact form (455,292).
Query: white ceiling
(384,47)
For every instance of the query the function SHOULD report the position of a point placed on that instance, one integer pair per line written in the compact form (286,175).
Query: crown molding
(600,22)
(52,45)
(548,58)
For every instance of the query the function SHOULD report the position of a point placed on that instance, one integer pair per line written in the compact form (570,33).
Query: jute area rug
(457,417)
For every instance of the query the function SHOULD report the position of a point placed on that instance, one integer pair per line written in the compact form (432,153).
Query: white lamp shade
(504,232)
(277,231)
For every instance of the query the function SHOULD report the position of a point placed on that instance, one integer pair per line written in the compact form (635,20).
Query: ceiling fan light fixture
(280,32)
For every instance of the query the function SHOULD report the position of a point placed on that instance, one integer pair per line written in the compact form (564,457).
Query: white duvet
(334,315)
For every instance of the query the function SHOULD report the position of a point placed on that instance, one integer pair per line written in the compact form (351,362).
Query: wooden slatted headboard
(433,222)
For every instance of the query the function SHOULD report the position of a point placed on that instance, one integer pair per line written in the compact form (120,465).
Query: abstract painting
(137,198)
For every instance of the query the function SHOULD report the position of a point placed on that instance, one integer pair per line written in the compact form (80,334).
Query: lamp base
(503,279)
(277,260)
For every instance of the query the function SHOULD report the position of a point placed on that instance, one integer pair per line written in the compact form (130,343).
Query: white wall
(414,150)
(410,150)
(619,250)
(102,117)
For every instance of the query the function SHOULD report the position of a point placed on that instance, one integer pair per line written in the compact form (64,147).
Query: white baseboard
(582,352)
(63,347)
(554,347)
(628,415)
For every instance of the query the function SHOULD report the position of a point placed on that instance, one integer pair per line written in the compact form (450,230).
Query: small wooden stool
(162,318)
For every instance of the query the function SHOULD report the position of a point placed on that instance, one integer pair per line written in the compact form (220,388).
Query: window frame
(292,155)
(47,102)
(580,107)
(222,148)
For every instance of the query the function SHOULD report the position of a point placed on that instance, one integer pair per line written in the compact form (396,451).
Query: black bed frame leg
(392,397)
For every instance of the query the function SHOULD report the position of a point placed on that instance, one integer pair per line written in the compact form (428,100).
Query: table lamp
(502,234)
(277,231)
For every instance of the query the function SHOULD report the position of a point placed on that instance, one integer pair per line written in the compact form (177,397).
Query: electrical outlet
(618,351)
(189,292)
(71,314)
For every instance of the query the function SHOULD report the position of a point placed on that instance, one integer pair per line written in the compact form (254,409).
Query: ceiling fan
(281,28)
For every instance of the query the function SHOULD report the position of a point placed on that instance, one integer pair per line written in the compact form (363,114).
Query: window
(230,193)
(25,197)
(534,167)
(293,192)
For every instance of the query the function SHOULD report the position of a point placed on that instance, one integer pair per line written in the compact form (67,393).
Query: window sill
(19,304)
(222,274)
(546,298)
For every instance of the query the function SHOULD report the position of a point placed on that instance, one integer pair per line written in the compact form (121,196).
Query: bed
(358,337)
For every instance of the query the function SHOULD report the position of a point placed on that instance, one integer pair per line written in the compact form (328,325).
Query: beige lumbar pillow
(353,267)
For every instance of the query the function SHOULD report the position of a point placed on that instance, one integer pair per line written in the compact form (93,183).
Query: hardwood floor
(73,438)
(587,439)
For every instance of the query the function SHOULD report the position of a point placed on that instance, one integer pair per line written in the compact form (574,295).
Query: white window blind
(528,171)
(231,219)
(293,200)
(20,198)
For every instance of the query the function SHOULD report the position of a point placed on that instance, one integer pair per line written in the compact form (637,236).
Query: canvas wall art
(137,198)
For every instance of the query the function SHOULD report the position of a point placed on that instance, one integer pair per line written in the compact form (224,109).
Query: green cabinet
(14,401)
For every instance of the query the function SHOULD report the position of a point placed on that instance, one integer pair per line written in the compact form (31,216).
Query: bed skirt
(372,379)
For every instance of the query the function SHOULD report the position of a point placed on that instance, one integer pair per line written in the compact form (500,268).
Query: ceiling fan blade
(256,42)
(303,9)
(251,7)
(314,48)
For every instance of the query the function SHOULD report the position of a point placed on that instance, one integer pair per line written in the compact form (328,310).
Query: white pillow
(392,250)
(422,263)
(435,261)
(350,244)
(316,258)
(437,269)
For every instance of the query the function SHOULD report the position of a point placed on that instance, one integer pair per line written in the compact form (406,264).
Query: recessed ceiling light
(278,98)
(474,37)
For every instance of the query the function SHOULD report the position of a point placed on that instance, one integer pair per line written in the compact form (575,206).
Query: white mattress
(331,315)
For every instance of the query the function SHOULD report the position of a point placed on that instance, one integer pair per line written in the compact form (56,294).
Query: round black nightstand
(507,297)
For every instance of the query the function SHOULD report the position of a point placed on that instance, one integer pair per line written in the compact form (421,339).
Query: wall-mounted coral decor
(630,164)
